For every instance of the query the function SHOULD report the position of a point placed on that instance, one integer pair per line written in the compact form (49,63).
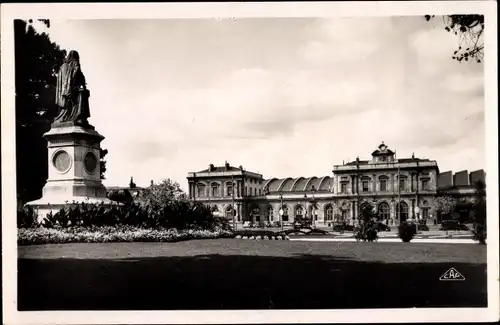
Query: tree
(443,205)
(366,213)
(165,193)
(37,61)
(470,32)
(366,230)
(480,212)
(102,162)
(122,196)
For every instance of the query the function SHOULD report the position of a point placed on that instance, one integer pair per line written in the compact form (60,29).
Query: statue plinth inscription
(74,146)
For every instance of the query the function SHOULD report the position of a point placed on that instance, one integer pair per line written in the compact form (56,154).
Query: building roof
(220,169)
(299,184)
(448,179)
(227,168)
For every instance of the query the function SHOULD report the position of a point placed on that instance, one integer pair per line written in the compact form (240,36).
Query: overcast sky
(283,97)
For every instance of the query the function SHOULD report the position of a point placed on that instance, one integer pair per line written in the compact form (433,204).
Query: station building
(396,189)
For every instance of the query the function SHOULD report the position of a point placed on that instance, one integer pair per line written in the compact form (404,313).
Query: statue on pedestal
(72,95)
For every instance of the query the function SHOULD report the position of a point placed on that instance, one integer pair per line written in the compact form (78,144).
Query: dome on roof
(287,185)
(273,184)
(310,183)
(299,185)
(325,184)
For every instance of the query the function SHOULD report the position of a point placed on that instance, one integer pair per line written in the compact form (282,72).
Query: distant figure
(71,92)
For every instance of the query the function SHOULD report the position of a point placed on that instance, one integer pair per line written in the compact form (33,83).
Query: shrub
(27,218)
(366,231)
(479,233)
(179,215)
(406,231)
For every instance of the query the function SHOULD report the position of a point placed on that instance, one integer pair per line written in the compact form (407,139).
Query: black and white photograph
(250,162)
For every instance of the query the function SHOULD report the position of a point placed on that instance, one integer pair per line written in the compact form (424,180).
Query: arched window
(229,212)
(269,213)
(285,213)
(384,211)
(201,190)
(255,212)
(424,210)
(329,213)
(402,211)
(299,212)
(215,189)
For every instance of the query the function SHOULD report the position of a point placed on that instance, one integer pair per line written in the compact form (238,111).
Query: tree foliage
(470,32)
(366,213)
(480,212)
(164,193)
(443,205)
(366,230)
(102,162)
(121,196)
(37,60)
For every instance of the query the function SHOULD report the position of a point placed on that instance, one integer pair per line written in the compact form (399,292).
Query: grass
(237,274)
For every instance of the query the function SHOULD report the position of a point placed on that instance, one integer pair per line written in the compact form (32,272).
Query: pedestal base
(74,170)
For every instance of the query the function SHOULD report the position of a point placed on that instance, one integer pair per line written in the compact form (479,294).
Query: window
(425,213)
(201,190)
(402,182)
(343,187)
(229,212)
(383,158)
(329,213)
(384,211)
(255,192)
(260,191)
(299,212)
(365,185)
(229,189)
(383,184)
(285,213)
(345,215)
(269,213)
(215,190)
(402,211)
(425,184)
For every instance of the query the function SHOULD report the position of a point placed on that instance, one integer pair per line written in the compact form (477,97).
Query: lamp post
(417,211)
(313,208)
(281,210)
(305,207)
(232,203)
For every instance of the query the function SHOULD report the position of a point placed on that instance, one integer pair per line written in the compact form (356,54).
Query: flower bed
(40,236)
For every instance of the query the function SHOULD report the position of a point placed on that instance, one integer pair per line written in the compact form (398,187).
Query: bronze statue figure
(71,92)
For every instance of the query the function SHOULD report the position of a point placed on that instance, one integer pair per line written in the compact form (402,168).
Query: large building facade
(397,189)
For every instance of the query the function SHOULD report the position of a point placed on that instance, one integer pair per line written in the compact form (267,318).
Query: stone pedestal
(74,169)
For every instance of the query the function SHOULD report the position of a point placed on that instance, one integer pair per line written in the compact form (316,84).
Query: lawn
(243,274)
